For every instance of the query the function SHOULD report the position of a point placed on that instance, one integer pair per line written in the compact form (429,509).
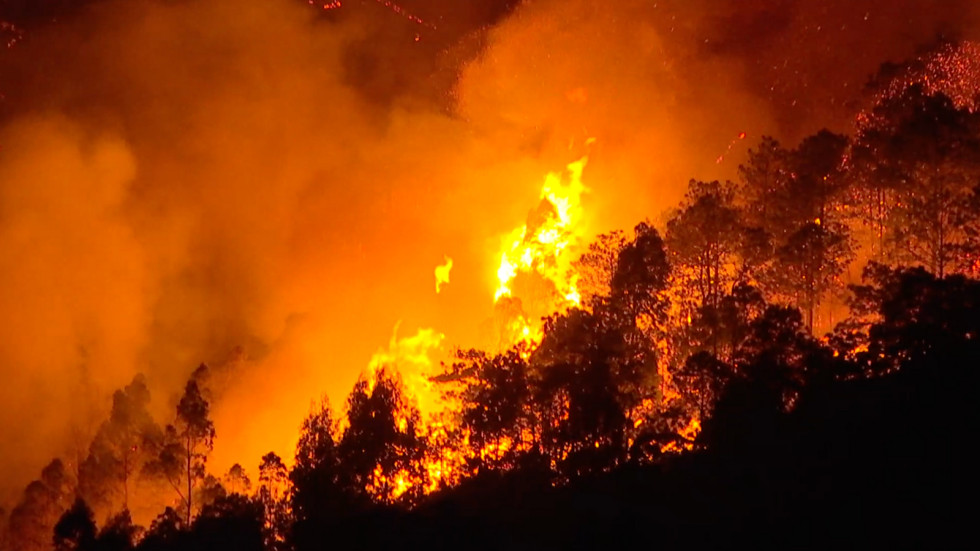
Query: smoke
(263,188)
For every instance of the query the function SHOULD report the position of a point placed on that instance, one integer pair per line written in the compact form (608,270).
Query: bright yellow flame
(540,248)
(413,357)
(546,245)
(442,273)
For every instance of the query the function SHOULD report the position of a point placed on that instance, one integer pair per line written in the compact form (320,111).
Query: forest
(761,428)
(783,360)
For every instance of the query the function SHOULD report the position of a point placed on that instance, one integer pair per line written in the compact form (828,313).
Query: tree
(32,520)
(596,266)
(590,374)
(794,205)
(917,155)
(166,533)
(75,530)
(494,405)
(232,522)
(809,265)
(721,329)
(317,498)
(119,533)
(187,443)
(915,316)
(641,276)
(121,445)
(719,334)
(816,190)
(273,494)
(382,448)
(702,239)
(237,481)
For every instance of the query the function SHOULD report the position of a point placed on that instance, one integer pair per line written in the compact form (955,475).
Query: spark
(741,136)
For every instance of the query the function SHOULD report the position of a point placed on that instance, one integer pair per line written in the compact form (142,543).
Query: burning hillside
(407,255)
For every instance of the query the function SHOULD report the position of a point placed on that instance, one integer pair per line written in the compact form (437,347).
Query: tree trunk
(189,455)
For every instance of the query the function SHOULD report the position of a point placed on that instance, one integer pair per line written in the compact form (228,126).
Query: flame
(413,357)
(545,246)
(442,273)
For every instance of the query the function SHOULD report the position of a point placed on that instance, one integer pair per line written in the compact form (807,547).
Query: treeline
(689,400)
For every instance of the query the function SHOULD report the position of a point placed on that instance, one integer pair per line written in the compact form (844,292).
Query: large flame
(544,248)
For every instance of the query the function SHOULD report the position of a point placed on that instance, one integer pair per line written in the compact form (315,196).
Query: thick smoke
(258,186)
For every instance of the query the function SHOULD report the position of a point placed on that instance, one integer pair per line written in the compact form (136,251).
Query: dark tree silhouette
(231,522)
(809,265)
(382,448)
(591,373)
(273,494)
(119,533)
(317,498)
(495,407)
(641,276)
(166,533)
(75,530)
(763,177)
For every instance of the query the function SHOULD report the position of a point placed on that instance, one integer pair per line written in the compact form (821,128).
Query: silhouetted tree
(119,533)
(209,490)
(274,495)
(231,522)
(763,177)
(494,394)
(641,276)
(703,238)
(317,498)
(166,533)
(591,373)
(382,448)
(809,265)
(75,530)
(917,316)
(237,481)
